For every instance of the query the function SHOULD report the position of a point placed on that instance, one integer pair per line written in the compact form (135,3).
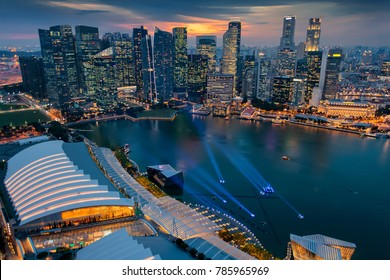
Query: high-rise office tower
(231,50)
(207,45)
(286,59)
(298,93)
(180,59)
(332,73)
(282,89)
(148,74)
(87,45)
(138,35)
(33,76)
(313,35)
(301,68)
(236,22)
(197,71)
(105,85)
(163,63)
(314,61)
(249,77)
(264,78)
(123,57)
(287,39)
(59,61)
(301,50)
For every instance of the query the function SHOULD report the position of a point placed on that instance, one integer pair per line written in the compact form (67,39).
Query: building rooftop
(325,247)
(53,177)
(166,170)
(116,246)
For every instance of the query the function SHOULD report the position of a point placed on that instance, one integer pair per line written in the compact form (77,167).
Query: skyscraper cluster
(161,67)
(305,74)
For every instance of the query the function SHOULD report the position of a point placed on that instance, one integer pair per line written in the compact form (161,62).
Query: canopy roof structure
(53,177)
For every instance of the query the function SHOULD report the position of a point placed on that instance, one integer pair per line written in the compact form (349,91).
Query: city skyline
(342,23)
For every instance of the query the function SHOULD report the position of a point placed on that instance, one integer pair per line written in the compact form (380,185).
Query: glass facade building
(59,62)
(163,63)
(207,45)
(180,59)
(313,35)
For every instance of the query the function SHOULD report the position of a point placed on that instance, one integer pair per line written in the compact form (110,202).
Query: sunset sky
(348,23)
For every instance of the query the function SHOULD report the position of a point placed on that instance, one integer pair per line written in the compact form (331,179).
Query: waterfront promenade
(120,117)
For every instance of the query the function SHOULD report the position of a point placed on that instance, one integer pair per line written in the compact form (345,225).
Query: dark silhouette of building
(166,177)
(138,35)
(33,76)
(197,76)
(287,39)
(333,63)
(163,63)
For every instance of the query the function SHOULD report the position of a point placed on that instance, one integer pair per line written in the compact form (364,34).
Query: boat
(200,112)
(285,158)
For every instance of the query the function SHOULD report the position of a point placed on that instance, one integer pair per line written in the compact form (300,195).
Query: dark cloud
(88,12)
(343,21)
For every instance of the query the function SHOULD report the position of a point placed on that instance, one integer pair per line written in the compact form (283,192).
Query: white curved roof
(42,180)
(116,246)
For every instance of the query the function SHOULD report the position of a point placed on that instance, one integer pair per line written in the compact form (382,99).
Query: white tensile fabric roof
(42,180)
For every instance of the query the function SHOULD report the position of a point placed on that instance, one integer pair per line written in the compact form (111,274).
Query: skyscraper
(59,61)
(148,74)
(314,61)
(264,78)
(87,45)
(207,45)
(33,75)
(286,62)
(180,59)
(197,76)
(287,39)
(163,63)
(332,73)
(105,85)
(123,57)
(249,77)
(138,34)
(282,89)
(313,35)
(231,50)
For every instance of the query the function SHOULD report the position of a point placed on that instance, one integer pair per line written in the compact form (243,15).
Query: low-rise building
(353,109)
